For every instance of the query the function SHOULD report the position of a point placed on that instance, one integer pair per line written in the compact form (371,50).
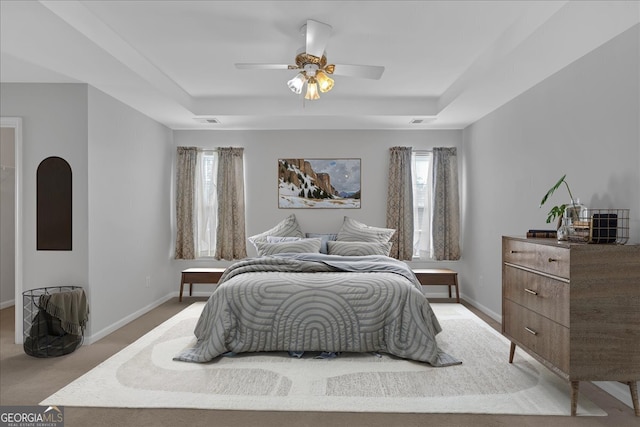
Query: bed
(316,302)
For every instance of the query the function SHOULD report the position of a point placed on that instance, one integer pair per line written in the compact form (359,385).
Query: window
(421,173)
(206,204)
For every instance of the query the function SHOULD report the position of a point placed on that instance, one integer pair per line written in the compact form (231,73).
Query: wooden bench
(199,275)
(438,276)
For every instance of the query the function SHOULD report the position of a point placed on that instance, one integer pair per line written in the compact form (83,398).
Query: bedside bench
(199,275)
(438,276)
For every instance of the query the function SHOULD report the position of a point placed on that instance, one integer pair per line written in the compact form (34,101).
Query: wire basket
(599,226)
(43,334)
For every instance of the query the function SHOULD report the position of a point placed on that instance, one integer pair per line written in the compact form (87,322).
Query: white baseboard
(7,304)
(115,326)
(495,316)
(618,390)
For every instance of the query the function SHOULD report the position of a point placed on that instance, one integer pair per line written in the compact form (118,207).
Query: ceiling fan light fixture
(312,89)
(296,83)
(325,83)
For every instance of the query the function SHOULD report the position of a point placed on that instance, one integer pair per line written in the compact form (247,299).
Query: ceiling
(447,63)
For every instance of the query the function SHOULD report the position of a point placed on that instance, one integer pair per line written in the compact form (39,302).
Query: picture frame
(319,183)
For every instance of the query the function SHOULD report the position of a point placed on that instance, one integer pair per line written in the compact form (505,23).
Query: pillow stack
(356,238)
(353,239)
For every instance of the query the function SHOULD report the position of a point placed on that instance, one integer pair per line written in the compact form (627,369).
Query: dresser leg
(575,386)
(512,352)
(633,387)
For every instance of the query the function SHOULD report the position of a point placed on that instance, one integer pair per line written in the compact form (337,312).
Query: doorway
(11,219)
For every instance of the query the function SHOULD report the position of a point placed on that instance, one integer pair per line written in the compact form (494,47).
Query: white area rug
(143,375)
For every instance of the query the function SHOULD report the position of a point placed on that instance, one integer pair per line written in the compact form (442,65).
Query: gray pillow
(288,227)
(280,239)
(325,238)
(302,246)
(359,248)
(355,231)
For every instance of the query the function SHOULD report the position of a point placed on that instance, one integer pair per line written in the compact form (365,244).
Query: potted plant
(557,211)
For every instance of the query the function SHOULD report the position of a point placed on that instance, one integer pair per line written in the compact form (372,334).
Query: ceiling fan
(312,62)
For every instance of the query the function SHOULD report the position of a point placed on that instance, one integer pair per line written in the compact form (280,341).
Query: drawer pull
(530,291)
(552,260)
(531,331)
(514,252)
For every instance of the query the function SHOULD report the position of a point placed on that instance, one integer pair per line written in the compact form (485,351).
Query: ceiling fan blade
(317,37)
(250,66)
(363,71)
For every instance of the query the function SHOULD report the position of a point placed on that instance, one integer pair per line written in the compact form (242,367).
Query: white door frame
(16,124)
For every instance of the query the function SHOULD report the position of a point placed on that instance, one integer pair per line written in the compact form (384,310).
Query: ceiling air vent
(207,120)
(416,121)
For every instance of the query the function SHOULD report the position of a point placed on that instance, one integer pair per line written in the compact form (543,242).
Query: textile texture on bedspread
(317,302)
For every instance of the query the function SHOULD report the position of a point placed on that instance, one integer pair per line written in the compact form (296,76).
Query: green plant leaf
(556,212)
(551,190)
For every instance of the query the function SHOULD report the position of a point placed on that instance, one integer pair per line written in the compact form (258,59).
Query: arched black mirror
(54,224)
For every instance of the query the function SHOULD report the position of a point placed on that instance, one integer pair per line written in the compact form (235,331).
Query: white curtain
(206,203)
(422,194)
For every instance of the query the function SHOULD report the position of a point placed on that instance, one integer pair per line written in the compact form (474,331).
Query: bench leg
(455,280)
(633,388)
(575,387)
(181,288)
(190,289)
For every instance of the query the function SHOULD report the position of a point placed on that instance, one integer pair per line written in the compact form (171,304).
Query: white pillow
(358,248)
(288,227)
(354,231)
(301,246)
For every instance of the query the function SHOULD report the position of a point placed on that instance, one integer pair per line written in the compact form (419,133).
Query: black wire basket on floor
(44,335)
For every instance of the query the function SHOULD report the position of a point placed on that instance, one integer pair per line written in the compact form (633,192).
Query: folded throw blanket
(70,307)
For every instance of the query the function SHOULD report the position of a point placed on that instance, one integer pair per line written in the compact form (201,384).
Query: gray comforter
(317,302)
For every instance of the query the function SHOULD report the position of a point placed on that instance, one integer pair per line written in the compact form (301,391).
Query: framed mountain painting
(319,183)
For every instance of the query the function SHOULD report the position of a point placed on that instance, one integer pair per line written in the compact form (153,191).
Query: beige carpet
(143,375)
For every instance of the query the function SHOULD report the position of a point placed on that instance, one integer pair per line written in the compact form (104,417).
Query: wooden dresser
(575,308)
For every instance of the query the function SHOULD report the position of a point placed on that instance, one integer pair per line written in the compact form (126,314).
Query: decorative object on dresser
(558,211)
(577,223)
(199,275)
(568,214)
(438,276)
(574,307)
(542,233)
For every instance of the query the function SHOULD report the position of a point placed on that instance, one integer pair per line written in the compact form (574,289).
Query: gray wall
(583,122)
(129,178)
(121,165)
(54,120)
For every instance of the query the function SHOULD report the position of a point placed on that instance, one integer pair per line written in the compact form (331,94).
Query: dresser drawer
(544,295)
(547,259)
(538,334)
